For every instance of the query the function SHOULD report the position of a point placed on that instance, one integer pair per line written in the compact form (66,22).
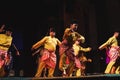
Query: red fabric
(77,62)
(49,58)
(3,54)
(113,53)
(67,60)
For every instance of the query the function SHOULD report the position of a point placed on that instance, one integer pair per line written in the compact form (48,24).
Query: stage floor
(88,77)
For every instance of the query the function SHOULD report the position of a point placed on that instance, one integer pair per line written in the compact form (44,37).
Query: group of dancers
(72,61)
(69,49)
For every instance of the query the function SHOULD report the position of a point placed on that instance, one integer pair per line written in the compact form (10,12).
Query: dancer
(79,59)
(5,43)
(66,53)
(48,58)
(66,50)
(113,51)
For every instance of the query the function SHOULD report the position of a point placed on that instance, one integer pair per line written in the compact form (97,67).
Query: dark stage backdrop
(97,20)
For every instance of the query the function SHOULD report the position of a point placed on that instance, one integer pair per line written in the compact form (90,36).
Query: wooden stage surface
(88,77)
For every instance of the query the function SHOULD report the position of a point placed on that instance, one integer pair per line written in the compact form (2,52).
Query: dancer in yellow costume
(48,58)
(5,43)
(113,51)
(77,51)
(69,37)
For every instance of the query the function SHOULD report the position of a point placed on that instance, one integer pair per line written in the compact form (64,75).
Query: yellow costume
(48,58)
(113,52)
(5,43)
(77,49)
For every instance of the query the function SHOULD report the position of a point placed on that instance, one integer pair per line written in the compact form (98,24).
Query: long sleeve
(111,42)
(84,49)
(76,35)
(39,43)
(78,48)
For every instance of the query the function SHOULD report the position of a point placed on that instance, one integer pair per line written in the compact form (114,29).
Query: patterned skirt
(49,57)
